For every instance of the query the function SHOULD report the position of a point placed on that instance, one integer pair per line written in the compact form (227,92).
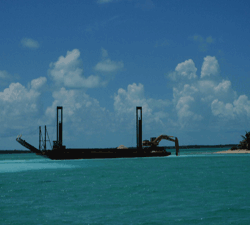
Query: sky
(185,62)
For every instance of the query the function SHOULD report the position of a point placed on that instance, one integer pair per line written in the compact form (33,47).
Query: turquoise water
(195,188)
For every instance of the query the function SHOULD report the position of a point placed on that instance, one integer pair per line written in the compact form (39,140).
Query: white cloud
(17,92)
(29,43)
(67,71)
(202,100)
(125,102)
(185,70)
(38,83)
(206,86)
(222,110)
(209,67)
(187,90)
(107,65)
(82,113)
(185,102)
(183,107)
(242,106)
(19,107)
(239,108)
(224,86)
(211,89)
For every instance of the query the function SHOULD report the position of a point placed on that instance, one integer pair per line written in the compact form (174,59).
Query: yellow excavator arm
(157,140)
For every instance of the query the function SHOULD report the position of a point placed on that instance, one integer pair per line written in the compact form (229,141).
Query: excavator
(155,142)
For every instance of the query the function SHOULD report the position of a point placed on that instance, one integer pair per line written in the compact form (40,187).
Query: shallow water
(195,188)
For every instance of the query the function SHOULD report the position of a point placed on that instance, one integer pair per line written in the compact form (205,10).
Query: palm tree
(245,143)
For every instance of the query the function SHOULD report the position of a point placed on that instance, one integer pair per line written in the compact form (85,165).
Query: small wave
(26,166)
(191,155)
(24,160)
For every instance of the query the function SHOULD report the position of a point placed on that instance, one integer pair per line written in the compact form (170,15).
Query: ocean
(197,187)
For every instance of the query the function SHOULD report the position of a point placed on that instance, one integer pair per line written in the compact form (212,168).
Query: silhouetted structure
(139,127)
(58,144)
(43,143)
(59,151)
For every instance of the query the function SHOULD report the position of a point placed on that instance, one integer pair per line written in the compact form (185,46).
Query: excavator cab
(154,142)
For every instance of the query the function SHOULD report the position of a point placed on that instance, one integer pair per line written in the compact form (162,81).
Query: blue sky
(185,62)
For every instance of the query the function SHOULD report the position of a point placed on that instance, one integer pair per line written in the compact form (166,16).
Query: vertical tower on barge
(139,127)
(58,144)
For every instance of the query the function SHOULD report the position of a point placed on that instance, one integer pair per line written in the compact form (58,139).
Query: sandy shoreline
(238,151)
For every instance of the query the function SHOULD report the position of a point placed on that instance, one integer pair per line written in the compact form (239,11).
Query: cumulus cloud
(106,65)
(67,71)
(19,107)
(184,70)
(38,83)
(125,102)
(242,106)
(210,88)
(82,113)
(239,108)
(208,99)
(183,108)
(222,110)
(185,100)
(209,67)
(17,92)
(29,43)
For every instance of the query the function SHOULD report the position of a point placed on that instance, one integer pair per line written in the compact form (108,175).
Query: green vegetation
(245,143)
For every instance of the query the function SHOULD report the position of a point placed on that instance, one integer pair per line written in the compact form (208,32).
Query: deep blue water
(194,188)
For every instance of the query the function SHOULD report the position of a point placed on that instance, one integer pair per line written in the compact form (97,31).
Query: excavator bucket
(177,146)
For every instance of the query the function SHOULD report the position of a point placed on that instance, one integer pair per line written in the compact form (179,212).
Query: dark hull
(102,153)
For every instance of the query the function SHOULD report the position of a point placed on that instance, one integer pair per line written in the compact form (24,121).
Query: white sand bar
(238,151)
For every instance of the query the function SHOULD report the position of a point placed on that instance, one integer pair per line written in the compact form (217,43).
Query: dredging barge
(59,151)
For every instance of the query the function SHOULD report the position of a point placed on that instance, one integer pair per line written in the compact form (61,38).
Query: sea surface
(198,187)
